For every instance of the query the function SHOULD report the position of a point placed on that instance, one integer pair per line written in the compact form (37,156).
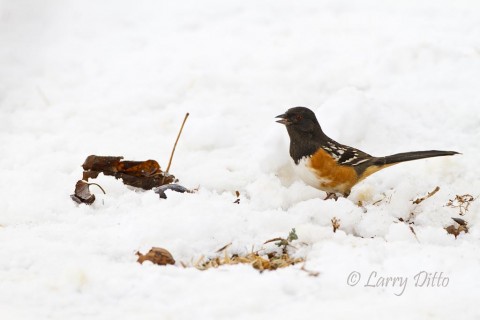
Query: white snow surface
(116,78)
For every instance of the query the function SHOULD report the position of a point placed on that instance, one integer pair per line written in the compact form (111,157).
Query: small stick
(430,194)
(224,247)
(175,145)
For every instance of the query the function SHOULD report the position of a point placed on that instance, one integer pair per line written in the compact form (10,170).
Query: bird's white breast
(305,172)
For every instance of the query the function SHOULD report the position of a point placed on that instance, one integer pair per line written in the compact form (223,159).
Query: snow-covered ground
(116,78)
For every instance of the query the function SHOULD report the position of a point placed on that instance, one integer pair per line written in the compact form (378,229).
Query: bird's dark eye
(298,117)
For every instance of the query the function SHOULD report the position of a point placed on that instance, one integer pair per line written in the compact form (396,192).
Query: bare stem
(175,145)
(96,184)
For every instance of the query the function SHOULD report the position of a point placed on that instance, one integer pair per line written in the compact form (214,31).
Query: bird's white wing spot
(360,162)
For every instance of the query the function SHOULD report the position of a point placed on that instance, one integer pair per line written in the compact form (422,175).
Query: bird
(325,164)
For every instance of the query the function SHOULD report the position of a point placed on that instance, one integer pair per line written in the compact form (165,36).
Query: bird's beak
(283,119)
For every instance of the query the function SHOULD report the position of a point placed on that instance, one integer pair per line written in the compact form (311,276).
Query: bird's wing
(345,155)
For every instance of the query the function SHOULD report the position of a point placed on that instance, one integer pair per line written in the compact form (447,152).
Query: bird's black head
(300,120)
(304,131)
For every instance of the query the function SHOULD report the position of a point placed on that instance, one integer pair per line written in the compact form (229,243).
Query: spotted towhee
(330,166)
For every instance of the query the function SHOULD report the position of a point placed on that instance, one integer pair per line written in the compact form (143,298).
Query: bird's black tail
(415,155)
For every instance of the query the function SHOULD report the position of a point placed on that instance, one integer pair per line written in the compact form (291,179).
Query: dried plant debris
(462,202)
(456,230)
(141,174)
(82,192)
(409,222)
(410,225)
(335,224)
(413,231)
(284,243)
(174,187)
(158,256)
(385,198)
(430,194)
(237,201)
(271,261)
(224,247)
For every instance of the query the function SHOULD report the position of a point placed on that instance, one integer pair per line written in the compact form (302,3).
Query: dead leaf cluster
(140,174)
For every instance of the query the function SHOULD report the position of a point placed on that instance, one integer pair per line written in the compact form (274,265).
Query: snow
(116,78)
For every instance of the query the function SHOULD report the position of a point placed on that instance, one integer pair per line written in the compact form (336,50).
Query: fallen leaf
(460,221)
(158,256)
(462,227)
(82,192)
(139,168)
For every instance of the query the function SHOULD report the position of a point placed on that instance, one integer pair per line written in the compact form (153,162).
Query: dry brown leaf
(462,227)
(158,256)
(82,192)
(460,221)
(139,168)
(101,163)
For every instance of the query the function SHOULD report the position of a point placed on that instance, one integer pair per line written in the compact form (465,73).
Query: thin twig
(175,145)
(430,194)
(224,247)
